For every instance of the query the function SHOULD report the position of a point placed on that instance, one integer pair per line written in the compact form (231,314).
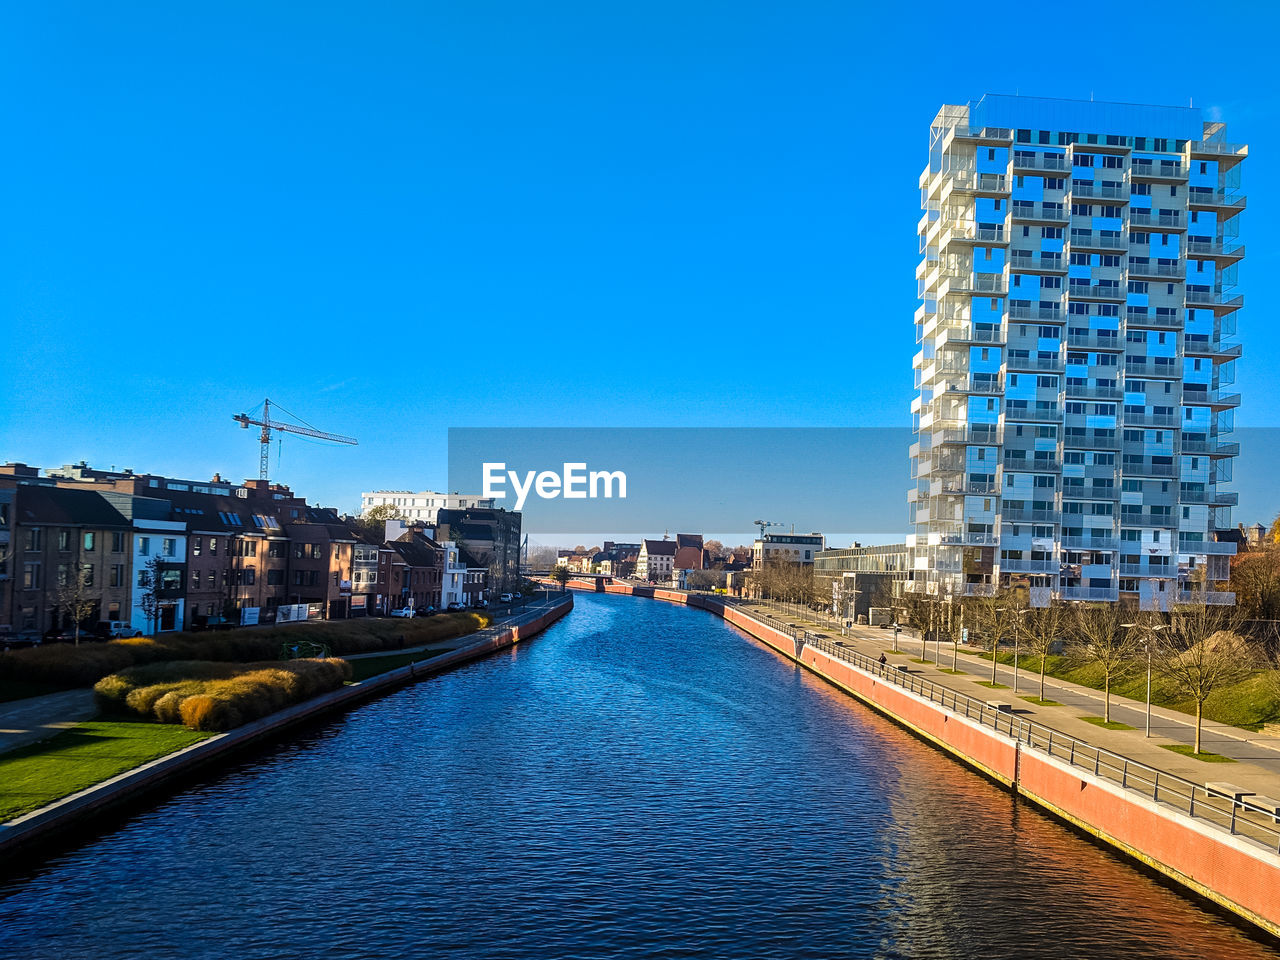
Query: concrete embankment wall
(27,833)
(1230,870)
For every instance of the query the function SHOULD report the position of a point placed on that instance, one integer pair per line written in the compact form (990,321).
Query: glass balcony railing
(1145,218)
(1102,240)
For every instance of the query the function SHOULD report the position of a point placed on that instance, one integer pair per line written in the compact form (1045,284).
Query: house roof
(659,548)
(84,508)
(211,513)
(689,540)
(418,552)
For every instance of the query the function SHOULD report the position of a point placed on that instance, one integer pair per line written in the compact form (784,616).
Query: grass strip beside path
(1107,724)
(1188,751)
(366,667)
(89,753)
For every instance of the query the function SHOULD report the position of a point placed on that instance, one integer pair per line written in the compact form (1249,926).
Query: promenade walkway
(37,718)
(1258,758)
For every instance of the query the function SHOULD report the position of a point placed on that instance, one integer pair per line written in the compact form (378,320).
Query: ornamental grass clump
(66,665)
(216,696)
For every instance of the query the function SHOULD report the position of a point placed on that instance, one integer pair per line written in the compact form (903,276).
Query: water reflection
(641,781)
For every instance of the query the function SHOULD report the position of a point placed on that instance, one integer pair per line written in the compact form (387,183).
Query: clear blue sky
(396,218)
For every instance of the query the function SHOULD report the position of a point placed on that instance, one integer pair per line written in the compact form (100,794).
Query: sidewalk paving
(37,718)
(1257,769)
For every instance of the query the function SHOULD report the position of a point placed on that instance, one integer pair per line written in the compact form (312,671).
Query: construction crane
(764,525)
(267,425)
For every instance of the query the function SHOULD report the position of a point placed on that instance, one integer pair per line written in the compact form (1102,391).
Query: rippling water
(640,781)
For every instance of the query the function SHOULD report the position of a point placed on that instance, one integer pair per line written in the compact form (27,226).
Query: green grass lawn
(38,774)
(918,660)
(993,686)
(952,672)
(1106,724)
(1248,704)
(1042,703)
(1187,751)
(367,667)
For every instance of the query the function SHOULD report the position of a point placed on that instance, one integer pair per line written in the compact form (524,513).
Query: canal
(640,781)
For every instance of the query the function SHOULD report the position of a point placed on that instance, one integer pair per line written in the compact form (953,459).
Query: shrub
(217,696)
(81,666)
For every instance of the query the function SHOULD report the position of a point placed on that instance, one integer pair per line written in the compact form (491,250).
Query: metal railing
(1236,817)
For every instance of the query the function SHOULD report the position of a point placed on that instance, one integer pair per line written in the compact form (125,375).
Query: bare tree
(152,583)
(997,616)
(73,597)
(1043,628)
(1106,642)
(1202,651)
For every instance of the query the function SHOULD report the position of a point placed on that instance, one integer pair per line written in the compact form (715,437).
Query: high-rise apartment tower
(1077,350)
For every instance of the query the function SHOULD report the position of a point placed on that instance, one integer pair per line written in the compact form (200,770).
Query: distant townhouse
(160,572)
(369,591)
(54,536)
(689,552)
(415,572)
(454,580)
(656,560)
(490,535)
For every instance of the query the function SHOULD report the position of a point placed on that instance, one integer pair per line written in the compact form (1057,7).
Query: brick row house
(217,552)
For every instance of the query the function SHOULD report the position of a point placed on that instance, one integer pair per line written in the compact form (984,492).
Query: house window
(88,540)
(117,542)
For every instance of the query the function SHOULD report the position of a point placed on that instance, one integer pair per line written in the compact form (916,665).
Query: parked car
(212,623)
(406,612)
(505,598)
(456,606)
(67,635)
(23,638)
(426,611)
(115,629)
(480,605)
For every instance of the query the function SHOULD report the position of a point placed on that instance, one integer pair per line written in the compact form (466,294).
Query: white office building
(422,505)
(1077,350)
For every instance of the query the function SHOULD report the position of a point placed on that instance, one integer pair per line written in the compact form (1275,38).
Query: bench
(1227,791)
(1270,806)
(1003,706)
(902,667)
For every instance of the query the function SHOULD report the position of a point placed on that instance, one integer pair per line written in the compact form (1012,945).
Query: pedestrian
(883,660)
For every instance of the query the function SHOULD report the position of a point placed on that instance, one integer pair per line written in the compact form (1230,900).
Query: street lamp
(1148,644)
